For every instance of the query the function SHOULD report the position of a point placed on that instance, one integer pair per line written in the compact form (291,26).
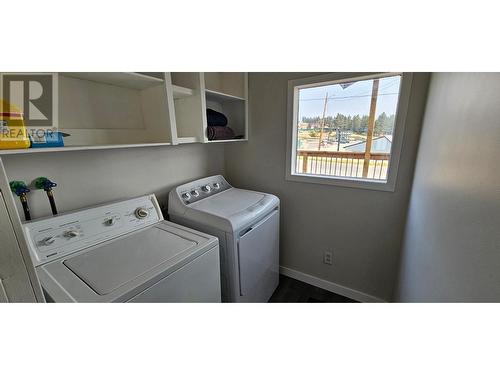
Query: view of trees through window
(357,124)
(345,129)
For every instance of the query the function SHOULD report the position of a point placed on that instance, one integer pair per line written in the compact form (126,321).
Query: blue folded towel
(215,118)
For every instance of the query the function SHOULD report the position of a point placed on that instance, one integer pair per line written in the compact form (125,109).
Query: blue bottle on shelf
(47,139)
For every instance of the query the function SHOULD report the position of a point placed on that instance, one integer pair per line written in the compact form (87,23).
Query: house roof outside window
(380,144)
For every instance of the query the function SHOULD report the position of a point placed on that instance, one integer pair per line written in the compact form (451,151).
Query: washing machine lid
(232,209)
(116,263)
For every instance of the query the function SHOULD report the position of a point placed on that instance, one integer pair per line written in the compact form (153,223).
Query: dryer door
(258,255)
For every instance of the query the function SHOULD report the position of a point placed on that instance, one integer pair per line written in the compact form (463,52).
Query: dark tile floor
(291,290)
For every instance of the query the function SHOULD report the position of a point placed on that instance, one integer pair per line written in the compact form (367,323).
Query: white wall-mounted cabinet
(188,109)
(126,109)
(99,109)
(222,92)
(227,93)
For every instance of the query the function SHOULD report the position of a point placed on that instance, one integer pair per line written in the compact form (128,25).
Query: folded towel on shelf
(215,133)
(215,118)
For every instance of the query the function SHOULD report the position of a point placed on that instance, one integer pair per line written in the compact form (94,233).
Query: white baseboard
(328,285)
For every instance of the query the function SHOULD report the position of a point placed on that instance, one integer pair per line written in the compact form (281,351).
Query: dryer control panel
(53,237)
(200,189)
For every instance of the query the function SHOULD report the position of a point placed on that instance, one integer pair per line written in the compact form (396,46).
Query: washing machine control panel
(60,235)
(200,189)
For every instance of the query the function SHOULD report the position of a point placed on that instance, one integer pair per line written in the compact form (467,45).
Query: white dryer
(247,226)
(123,252)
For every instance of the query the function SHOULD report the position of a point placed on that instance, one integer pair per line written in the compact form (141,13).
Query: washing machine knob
(110,221)
(195,193)
(186,196)
(141,213)
(216,185)
(47,241)
(206,188)
(71,234)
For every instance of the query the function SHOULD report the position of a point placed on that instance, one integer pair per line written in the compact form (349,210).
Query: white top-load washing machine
(123,251)
(247,225)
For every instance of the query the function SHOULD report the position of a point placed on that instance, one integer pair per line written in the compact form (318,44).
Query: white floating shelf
(221,97)
(78,148)
(182,92)
(228,140)
(182,140)
(129,80)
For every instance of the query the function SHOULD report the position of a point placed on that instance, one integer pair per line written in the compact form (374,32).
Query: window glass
(346,129)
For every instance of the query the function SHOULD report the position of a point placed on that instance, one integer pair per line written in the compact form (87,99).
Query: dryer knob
(216,185)
(206,188)
(186,196)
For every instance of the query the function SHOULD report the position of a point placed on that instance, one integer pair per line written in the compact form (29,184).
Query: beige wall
(364,228)
(91,177)
(452,243)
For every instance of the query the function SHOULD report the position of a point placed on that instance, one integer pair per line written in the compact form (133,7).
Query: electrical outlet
(328,258)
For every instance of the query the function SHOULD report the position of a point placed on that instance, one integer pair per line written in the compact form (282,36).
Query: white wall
(91,177)
(452,243)
(364,228)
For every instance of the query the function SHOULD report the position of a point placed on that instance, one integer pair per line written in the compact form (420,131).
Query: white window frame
(398,133)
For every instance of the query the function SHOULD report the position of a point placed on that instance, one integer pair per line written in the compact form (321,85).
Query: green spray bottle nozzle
(19,188)
(44,183)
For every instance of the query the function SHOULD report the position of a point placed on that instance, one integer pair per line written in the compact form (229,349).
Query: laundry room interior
(336,241)
(221,187)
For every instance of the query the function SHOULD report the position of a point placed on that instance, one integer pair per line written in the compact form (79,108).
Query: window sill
(388,186)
